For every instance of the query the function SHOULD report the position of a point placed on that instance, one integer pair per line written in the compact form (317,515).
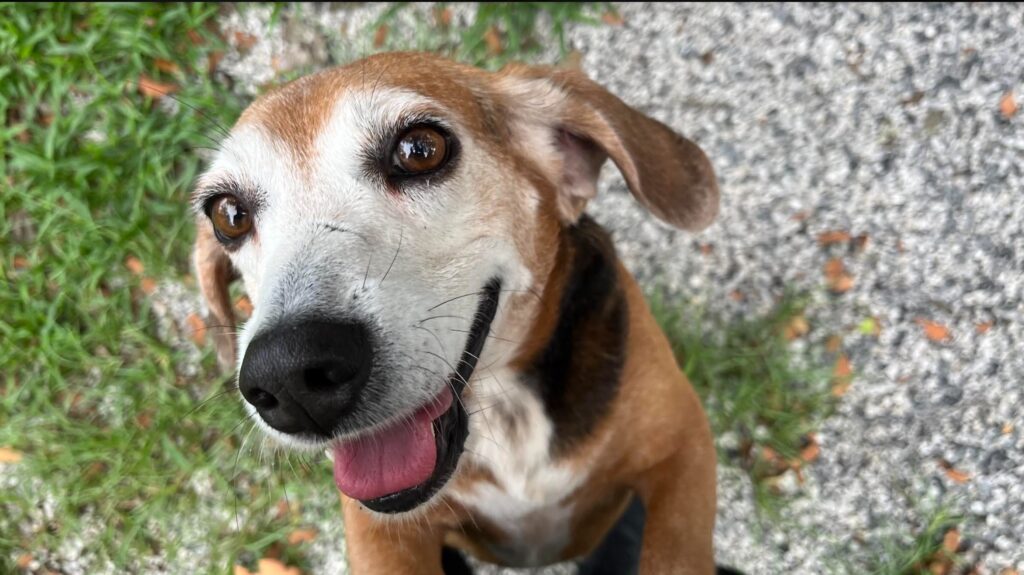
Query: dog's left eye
(230,217)
(420,150)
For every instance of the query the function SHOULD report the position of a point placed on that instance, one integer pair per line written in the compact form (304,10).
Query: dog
(435,311)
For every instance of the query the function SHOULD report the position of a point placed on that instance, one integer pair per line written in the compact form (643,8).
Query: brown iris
(230,217)
(421,149)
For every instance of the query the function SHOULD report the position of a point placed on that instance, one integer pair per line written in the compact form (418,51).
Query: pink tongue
(397,457)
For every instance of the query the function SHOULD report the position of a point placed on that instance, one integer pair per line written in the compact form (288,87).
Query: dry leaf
(302,536)
(1007,428)
(275,567)
(148,286)
(612,18)
(934,331)
(812,451)
(493,40)
(983,327)
(24,560)
(1008,105)
(245,41)
(860,243)
(736,295)
(836,277)
(134,265)
(842,376)
(800,216)
(20,262)
(8,455)
(833,237)
(380,36)
(151,88)
(796,327)
(195,37)
(213,60)
(443,16)
(144,419)
(938,567)
(707,249)
(244,306)
(951,541)
(833,343)
(166,66)
(198,329)
(954,474)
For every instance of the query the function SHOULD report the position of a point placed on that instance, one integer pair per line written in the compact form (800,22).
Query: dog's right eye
(231,219)
(421,150)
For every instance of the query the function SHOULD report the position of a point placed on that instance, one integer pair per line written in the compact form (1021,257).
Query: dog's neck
(576,370)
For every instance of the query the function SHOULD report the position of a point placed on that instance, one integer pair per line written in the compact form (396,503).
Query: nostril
(262,400)
(329,377)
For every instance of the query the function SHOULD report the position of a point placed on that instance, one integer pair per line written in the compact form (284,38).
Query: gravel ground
(875,120)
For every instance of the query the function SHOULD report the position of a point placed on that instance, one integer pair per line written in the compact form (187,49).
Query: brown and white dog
(433,308)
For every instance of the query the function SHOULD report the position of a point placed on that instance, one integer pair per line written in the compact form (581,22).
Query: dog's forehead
(297,113)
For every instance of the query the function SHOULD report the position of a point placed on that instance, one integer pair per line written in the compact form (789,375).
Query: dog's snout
(304,378)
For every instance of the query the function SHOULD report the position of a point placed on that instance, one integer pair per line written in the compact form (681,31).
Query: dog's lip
(450,427)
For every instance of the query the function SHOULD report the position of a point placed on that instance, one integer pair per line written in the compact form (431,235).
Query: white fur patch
(510,435)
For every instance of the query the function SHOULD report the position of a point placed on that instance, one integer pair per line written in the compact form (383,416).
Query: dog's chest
(526,499)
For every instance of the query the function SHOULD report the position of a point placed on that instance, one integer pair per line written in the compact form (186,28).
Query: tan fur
(655,443)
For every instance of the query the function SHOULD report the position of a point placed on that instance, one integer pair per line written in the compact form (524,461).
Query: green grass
(94,171)
(910,554)
(119,454)
(753,385)
(515,30)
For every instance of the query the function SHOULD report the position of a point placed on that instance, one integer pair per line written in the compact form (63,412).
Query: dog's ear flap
(670,175)
(215,274)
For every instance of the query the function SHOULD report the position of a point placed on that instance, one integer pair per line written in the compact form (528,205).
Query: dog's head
(377,214)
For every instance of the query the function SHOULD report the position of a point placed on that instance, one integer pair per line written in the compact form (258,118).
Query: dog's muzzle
(307,379)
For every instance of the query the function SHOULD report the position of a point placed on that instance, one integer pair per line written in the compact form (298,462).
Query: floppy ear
(215,274)
(586,124)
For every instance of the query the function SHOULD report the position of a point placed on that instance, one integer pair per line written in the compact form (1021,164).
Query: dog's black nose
(303,378)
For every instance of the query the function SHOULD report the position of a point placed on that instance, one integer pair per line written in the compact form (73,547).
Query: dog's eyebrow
(207,190)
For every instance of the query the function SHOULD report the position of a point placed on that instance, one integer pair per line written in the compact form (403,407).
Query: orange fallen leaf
(443,16)
(836,277)
(8,455)
(812,451)
(955,475)
(842,376)
(244,306)
(213,60)
(795,327)
(983,327)
(144,419)
(166,66)
(245,41)
(24,560)
(493,40)
(275,567)
(195,37)
(148,286)
(1008,105)
(134,265)
(833,343)
(934,331)
(612,18)
(951,541)
(380,36)
(833,237)
(736,295)
(860,243)
(151,88)
(302,536)
(198,329)
(1007,428)
(20,262)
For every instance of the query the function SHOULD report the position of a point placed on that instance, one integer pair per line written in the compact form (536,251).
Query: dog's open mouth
(399,467)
